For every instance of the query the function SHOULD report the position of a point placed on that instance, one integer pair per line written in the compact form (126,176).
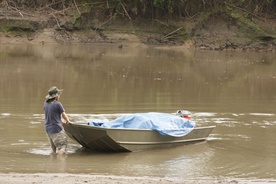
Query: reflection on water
(107,79)
(234,91)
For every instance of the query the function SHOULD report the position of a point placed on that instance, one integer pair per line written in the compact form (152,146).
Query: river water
(235,91)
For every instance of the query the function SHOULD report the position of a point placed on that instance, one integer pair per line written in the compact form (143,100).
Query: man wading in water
(53,123)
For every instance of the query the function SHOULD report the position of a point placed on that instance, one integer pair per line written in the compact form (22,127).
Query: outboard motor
(183,114)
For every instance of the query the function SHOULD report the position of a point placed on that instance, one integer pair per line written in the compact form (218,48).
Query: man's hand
(66,122)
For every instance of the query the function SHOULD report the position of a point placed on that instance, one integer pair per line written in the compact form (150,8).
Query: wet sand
(15,178)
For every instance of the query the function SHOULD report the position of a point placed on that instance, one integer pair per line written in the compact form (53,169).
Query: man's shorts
(58,140)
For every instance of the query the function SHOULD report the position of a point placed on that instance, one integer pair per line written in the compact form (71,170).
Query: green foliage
(165,5)
(151,8)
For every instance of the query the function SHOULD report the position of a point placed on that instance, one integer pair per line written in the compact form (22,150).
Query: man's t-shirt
(53,112)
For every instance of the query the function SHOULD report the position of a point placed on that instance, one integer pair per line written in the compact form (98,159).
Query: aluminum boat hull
(123,140)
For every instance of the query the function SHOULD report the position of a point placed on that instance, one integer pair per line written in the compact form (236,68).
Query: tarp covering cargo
(165,124)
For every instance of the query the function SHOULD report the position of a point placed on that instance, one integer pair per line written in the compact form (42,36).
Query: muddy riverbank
(216,31)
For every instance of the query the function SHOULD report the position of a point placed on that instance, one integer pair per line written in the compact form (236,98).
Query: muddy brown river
(235,91)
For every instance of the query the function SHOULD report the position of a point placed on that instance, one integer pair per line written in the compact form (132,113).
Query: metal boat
(126,140)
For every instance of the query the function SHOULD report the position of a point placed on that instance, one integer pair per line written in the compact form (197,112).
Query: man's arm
(65,117)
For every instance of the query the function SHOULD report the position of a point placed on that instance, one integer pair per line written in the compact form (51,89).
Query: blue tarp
(165,124)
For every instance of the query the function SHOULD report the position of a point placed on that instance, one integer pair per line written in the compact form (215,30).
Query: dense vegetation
(208,24)
(150,8)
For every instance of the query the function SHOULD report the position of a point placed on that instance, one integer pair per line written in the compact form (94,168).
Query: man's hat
(53,92)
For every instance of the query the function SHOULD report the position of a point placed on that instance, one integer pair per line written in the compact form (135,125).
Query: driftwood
(169,35)
(125,10)
(163,23)
(77,7)
(104,23)
(253,14)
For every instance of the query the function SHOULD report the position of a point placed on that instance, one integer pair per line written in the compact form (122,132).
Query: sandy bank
(14,178)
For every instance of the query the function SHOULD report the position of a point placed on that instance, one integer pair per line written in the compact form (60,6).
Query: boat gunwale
(127,129)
